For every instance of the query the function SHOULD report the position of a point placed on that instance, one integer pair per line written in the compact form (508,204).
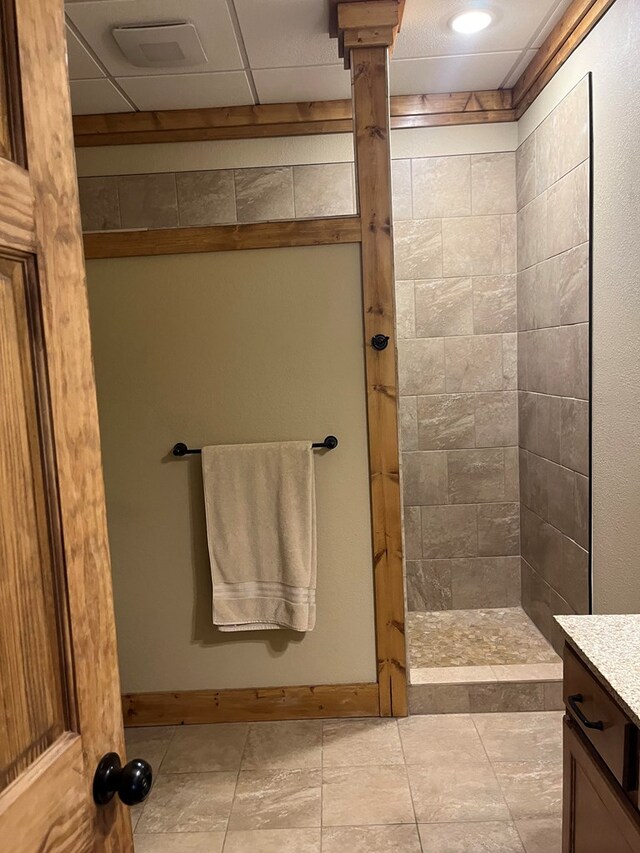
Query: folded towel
(261,527)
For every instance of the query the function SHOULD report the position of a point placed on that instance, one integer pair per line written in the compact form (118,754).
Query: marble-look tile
(446,421)
(206,198)
(99,206)
(548,427)
(532,789)
(482,582)
(473,363)
(366,796)
(546,672)
(476,476)
(498,530)
(359,743)
(276,799)
(408,423)
(572,582)
(179,842)
(323,189)
(485,837)
(418,248)
(439,699)
(475,638)
(449,792)
(424,477)
(496,419)
(536,598)
(401,189)
(541,543)
(290,745)
(149,742)
(264,194)
(509,362)
(401,838)
(494,304)
(562,140)
(435,739)
(527,423)
(509,243)
(568,211)
(405,309)
(148,201)
(450,675)
(273,841)
(522,737)
(428,584)
(562,501)
(532,233)
(526,297)
(441,187)
(573,285)
(541,835)
(188,802)
(472,246)
(421,366)
(196,749)
(566,361)
(516,696)
(413,532)
(547,299)
(574,435)
(449,531)
(444,307)
(493,183)
(582,510)
(526,171)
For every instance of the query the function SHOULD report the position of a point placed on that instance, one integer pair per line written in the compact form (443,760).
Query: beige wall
(223,348)
(611,54)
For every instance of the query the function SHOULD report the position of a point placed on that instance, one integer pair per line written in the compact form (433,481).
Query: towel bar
(181,449)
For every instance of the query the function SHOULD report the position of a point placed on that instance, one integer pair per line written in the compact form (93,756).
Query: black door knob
(131,783)
(379,342)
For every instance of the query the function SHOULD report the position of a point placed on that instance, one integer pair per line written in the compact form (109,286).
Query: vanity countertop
(610,647)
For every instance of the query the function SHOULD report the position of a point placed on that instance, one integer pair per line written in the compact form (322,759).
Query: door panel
(60,708)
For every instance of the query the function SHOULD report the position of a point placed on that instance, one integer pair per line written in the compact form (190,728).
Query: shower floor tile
(476,638)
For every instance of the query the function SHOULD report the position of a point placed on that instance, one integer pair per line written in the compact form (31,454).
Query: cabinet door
(596,815)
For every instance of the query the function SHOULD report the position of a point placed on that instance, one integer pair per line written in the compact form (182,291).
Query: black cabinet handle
(131,783)
(573,704)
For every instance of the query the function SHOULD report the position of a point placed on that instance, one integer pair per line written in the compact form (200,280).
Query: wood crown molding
(223,238)
(250,705)
(570,31)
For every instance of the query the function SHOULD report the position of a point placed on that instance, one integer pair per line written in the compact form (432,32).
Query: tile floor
(463,783)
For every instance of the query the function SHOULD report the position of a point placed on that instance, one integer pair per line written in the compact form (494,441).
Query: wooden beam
(286,119)
(223,238)
(250,705)
(369,72)
(367,23)
(570,31)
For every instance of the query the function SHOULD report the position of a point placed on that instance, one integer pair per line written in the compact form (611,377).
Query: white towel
(261,526)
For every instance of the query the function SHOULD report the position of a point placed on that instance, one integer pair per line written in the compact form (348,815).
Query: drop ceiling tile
(82,65)
(95,21)
(524,60)
(188,91)
(450,73)
(426,32)
(316,83)
(553,19)
(284,33)
(97,96)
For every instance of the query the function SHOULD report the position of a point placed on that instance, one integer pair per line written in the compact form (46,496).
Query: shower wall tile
(526,172)
(408,424)
(444,307)
(499,529)
(494,304)
(413,532)
(473,363)
(484,582)
(429,585)
(148,201)
(401,189)
(99,204)
(418,248)
(509,243)
(424,478)
(476,476)
(574,434)
(568,211)
(573,285)
(324,189)
(264,194)
(449,531)
(562,140)
(446,421)
(206,198)
(472,245)
(496,419)
(493,183)
(532,232)
(421,366)
(405,309)
(441,187)
(582,511)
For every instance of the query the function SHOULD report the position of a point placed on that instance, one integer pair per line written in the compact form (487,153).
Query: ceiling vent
(161,45)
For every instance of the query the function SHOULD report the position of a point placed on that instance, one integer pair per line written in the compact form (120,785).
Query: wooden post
(367,31)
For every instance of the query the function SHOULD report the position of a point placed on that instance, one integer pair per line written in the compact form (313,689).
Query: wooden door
(59,689)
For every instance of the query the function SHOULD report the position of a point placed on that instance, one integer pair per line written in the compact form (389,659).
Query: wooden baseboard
(250,705)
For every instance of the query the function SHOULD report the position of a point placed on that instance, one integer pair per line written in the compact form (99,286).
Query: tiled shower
(492,269)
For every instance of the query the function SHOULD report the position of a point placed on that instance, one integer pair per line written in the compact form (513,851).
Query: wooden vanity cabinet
(600,802)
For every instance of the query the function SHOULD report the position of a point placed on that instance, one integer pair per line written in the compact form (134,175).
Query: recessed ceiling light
(471,22)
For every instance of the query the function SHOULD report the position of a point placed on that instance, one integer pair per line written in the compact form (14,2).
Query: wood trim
(223,238)
(250,705)
(570,31)
(272,120)
(373,171)
(18,208)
